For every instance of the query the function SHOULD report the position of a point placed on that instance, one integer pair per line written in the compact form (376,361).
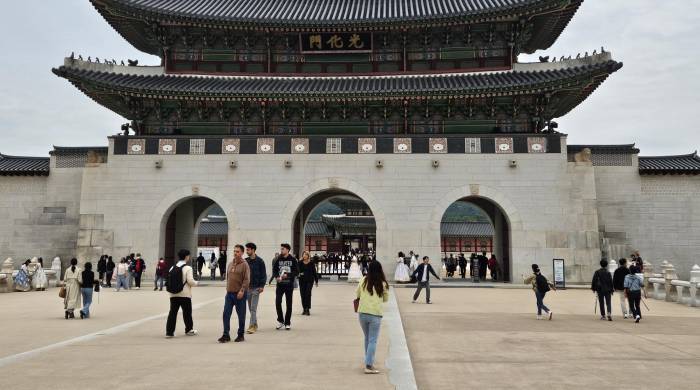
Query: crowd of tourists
(478,265)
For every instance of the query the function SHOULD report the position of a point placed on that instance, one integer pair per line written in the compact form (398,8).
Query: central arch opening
(475,240)
(333,226)
(200,225)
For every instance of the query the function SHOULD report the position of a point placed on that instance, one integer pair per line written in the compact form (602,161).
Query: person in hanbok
(71,281)
(402,273)
(22,282)
(414,263)
(39,280)
(355,273)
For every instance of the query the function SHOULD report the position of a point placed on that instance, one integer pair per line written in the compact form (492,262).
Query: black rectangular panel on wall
(120,145)
(283,145)
(455,145)
(151,146)
(520,145)
(212,146)
(317,145)
(183,146)
(385,145)
(554,144)
(419,145)
(249,146)
(348,145)
(488,145)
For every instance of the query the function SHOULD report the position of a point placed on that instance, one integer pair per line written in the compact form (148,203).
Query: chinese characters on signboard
(348,42)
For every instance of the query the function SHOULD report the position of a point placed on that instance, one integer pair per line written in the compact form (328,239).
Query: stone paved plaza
(469,338)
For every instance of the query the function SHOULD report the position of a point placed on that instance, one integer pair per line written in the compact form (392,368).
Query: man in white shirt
(181,298)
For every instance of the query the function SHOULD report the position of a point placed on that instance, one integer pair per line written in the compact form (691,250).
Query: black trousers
(175,304)
(109,279)
(462,271)
(634,298)
(286,289)
(603,299)
(222,270)
(305,292)
(137,278)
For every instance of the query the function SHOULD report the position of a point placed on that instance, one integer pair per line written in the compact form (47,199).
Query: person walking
(633,291)
(619,285)
(258,276)
(237,283)
(422,276)
(71,281)
(602,285)
(102,268)
(139,266)
(88,282)
(122,275)
(110,271)
(372,292)
(285,270)
(307,278)
(161,274)
(200,265)
(540,285)
(494,268)
(213,265)
(462,265)
(483,263)
(222,265)
(180,283)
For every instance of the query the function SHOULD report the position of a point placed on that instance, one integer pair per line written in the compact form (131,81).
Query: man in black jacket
(619,284)
(284,269)
(602,284)
(258,276)
(422,275)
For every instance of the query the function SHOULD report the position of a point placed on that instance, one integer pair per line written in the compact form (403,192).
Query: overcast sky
(652,101)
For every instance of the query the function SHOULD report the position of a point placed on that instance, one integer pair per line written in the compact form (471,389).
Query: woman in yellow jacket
(372,291)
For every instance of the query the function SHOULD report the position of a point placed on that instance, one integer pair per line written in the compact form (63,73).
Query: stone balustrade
(674,290)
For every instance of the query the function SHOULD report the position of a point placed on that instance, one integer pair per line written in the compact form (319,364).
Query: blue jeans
(122,282)
(160,281)
(540,303)
(87,301)
(230,302)
(370,327)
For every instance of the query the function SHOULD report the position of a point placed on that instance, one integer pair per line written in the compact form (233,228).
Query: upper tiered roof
(23,166)
(132,18)
(686,164)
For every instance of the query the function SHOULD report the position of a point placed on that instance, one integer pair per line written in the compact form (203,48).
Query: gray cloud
(652,101)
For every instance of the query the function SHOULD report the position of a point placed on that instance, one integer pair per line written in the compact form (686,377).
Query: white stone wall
(32,221)
(657,215)
(550,203)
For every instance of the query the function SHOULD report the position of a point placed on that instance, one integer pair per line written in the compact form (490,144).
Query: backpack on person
(175,284)
(541,283)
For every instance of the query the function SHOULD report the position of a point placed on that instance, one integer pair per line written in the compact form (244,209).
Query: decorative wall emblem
(230,146)
(166,146)
(472,145)
(136,146)
(402,145)
(537,145)
(367,145)
(196,146)
(438,145)
(300,145)
(266,145)
(333,145)
(504,145)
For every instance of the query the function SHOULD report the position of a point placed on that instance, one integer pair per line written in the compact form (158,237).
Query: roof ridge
(9,157)
(693,155)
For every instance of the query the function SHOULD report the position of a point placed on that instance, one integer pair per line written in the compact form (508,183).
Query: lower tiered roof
(23,166)
(686,164)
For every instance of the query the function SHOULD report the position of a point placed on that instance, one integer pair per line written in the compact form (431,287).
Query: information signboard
(559,273)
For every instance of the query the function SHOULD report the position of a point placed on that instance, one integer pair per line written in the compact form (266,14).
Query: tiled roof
(213,228)
(466,229)
(687,164)
(57,150)
(529,80)
(23,166)
(317,229)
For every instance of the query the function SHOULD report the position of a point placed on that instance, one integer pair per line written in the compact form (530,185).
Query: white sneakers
(279,326)
(539,317)
(287,327)
(192,332)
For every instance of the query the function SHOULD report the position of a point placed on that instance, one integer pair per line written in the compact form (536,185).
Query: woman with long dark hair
(71,280)
(372,291)
(307,277)
(88,281)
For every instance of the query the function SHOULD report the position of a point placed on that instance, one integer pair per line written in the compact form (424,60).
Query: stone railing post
(694,284)
(7,268)
(648,273)
(669,275)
